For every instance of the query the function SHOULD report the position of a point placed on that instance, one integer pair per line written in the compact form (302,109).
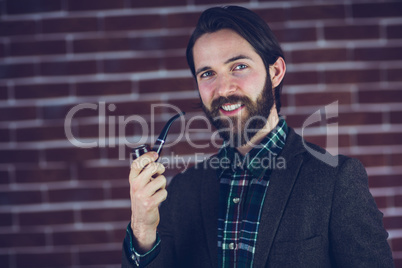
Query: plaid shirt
(243,186)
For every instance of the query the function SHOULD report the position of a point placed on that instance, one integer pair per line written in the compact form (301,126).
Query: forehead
(220,45)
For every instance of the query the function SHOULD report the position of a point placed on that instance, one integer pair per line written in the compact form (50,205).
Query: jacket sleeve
(357,235)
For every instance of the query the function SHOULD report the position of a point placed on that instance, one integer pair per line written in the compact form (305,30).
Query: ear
(277,72)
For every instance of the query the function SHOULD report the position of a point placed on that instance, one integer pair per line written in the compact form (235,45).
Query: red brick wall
(64,206)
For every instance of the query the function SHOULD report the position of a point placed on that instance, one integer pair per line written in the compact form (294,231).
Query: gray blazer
(314,215)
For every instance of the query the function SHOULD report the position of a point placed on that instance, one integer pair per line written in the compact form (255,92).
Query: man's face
(232,81)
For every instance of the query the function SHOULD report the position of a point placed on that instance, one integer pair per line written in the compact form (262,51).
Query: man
(234,210)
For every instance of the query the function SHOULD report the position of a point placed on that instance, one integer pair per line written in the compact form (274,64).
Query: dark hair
(247,24)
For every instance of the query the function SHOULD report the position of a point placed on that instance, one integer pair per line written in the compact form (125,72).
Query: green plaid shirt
(243,186)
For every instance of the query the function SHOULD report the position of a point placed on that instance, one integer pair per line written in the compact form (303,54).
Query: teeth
(231,107)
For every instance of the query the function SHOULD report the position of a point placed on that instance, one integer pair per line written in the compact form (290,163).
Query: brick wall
(110,61)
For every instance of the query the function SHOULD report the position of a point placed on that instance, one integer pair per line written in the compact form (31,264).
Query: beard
(240,129)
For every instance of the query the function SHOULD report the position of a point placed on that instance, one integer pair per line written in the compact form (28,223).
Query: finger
(146,175)
(157,184)
(138,164)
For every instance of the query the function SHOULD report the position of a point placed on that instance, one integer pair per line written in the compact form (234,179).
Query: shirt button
(236,200)
(232,246)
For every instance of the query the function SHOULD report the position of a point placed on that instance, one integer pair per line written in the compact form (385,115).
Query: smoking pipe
(144,148)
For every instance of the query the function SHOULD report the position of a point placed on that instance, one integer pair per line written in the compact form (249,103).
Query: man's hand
(147,191)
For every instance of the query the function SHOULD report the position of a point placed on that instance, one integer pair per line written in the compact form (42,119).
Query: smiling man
(242,212)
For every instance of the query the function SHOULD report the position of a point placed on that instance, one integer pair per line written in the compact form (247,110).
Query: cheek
(206,95)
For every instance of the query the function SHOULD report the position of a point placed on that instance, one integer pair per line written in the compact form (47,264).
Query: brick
(394,31)
(14,28)
(72,154)
(22,239)
(378,54)
(387,180)
(69,25)
(106,214)
(78,5)
(131,65)
(5,135)
(20,197)
(3,92)
(5,259)
(37,174)
(40,133)
(102,88)
(319,55)
(396,117)
(352,76)
(396,244)
(388,138)
(2,50)
(80,238)
(68,68)
(383,96)
(352,32)
(317,12)
(360,118)
(101,44)
(179,20)
(19,156)
(175,63)
(296,35)
(392,222)
(273,14)
(394,74)
(102,173)
(100,257)
(322,98)
(6,220)
(38,48)
(42,218)
(375,10)
(139,22)
(167,85)
(44,259)
(372,160)
(159,42)
(120,192)
(76,195)
(28,6)
(17,70)
(136,107)
(186,105)
(61,111)
(157,3)
(395,160)
(17,113)
(41,91)
(300,78)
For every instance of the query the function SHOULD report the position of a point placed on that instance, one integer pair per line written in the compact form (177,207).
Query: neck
(272,121)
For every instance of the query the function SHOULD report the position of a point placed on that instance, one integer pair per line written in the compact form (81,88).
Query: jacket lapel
(280,187)
(209,209)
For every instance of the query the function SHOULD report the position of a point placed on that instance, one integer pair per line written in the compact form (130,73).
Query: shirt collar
(259,159)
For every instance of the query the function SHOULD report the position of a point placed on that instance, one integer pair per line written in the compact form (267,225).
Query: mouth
(231,107)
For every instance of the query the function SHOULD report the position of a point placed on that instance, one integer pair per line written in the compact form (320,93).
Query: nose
(225,86)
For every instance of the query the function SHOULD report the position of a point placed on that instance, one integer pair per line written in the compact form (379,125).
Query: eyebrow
(235,58)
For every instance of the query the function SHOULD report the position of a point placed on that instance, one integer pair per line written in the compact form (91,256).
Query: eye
(206,74)
(240,67)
